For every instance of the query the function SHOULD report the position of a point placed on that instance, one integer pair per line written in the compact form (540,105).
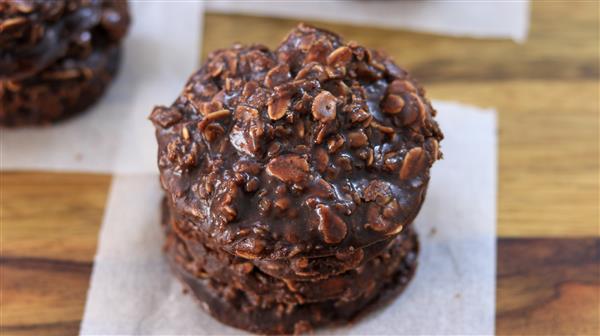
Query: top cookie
(318,147)
(35,33)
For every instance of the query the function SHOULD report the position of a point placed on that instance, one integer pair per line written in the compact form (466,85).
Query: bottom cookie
(60,91)
(239,309)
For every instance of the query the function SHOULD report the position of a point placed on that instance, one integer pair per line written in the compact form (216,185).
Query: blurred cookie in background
(57,57)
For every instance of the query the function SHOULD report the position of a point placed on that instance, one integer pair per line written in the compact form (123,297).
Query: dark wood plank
(63,328)
(548,287)
(42,296)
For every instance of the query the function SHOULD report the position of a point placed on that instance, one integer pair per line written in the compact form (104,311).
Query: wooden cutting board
(546,93)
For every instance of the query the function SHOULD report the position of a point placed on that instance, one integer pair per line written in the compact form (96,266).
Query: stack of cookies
(292,178)
(56,57)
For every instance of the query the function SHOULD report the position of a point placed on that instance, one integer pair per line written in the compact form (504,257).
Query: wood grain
(562,44)
(49,225)
(51,216)
(42,296)
(545,91)
(548,287)
(548,174)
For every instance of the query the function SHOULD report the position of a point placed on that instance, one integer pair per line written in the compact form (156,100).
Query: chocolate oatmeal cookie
(56,57)
(306,165)
(34,34)
(317,146)
(270,310)
(65,88)
(210,262)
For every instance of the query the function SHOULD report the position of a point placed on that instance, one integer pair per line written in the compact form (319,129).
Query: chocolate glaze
(316,147)
(210,262)
(294,268)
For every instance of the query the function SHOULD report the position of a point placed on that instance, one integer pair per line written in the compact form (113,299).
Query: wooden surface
(546,94)
(548,286)
(49,226)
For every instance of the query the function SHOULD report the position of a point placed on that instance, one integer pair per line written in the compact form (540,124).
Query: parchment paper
(453,292)
(160,52)
(479,19)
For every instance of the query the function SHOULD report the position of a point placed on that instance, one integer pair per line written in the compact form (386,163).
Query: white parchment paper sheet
(160,52)
(479,19)
(132,290)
